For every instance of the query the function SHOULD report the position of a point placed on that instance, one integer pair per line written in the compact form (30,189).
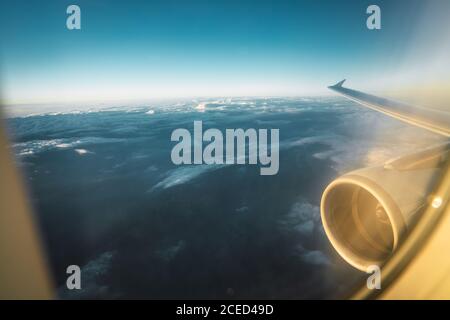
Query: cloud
(171,252)
(201,106)
(242,209)
(304,219)
(305,228)
(315,257)
(82,152)
(38,146)
(182,175)
(302,216)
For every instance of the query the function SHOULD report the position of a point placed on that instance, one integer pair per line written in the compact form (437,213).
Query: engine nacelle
(367,213)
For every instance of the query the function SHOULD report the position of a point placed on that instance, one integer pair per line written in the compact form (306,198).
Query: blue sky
(154,49)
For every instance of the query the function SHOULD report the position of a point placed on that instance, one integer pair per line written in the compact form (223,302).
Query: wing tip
(338,85)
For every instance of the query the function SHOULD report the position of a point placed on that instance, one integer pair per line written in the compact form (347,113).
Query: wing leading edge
(434,120)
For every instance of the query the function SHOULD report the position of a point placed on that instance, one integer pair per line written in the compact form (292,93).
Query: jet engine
(367,213)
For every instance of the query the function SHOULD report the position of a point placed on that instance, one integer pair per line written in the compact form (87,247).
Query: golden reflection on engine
(359,225)
(371,220)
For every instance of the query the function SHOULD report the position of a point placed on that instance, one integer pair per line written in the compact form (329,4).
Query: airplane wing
(418,262)
(433,120)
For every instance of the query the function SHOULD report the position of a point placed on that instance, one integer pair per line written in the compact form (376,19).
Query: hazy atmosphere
(143,50)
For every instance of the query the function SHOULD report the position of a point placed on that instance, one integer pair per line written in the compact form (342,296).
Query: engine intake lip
(358,258)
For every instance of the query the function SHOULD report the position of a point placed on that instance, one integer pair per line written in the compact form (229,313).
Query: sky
(130,50)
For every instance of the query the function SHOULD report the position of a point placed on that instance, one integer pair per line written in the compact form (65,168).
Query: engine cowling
(367,213)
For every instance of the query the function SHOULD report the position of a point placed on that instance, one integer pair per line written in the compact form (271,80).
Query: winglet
(340,83)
